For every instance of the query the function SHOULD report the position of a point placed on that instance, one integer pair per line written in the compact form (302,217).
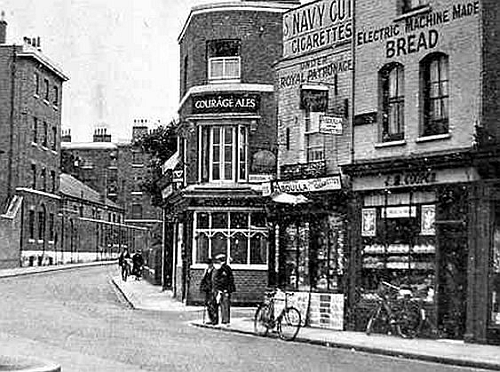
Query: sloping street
(77,319)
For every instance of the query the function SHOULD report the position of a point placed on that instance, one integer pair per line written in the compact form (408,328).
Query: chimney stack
(3,28)
(66,135)
(100,135)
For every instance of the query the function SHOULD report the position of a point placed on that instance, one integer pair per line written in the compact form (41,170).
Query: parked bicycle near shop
(395,312)
(288,321)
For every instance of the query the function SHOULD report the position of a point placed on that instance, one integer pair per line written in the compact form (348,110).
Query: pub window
(224,59)
(224,153)
(410,5)
(392,102)
(241,236)
(31,224)
(314,102)
(434,72)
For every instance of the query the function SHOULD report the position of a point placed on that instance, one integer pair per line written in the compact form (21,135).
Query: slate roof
(72,187)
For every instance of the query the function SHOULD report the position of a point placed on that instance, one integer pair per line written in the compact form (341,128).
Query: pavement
(141,295)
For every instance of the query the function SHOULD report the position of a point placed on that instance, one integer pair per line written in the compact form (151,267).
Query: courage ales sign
(316,26)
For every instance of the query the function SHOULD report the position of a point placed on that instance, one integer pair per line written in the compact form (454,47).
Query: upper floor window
(46,88)
(434,72)
(54,138)
(224,154)
(223,59)
(36,81)
(409,5)
(31,224)
(136,211)
(392,102)
(314,102)
(33,176)
(45,134)
(53,181)
(55,100)
(43,179)
(35,129)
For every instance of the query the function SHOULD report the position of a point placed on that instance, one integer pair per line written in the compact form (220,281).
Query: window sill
(55,107)
(421,10)
(36,96)
(435,137)
(135,193)
(54,152)
(46,102)
(137,165)
(31,241)
(203,266)
(223,81)
(40,241)
(390,144)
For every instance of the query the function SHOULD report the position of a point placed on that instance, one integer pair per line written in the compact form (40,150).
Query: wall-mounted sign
(427,220)
(167,191)
(330,124)
(225,102)
(413,178)
(303,170)
(178,176)
(317,25)
(309,185)
(417,33)
(399,212)
(368,222)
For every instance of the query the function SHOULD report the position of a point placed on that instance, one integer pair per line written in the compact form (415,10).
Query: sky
(122,57)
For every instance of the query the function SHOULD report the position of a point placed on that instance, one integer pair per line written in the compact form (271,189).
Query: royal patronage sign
(308,185)
(225,102)
(317,25)
(330,125)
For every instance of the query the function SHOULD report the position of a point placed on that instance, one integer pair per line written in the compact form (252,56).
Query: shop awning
(171,163)
(285,198)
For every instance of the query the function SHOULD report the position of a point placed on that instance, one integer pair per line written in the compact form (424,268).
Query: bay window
(242,236)
(224,153)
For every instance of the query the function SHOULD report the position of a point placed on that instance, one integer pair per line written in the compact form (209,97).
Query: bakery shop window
(399,241)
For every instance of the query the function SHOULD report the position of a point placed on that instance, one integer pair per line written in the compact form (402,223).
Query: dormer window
(224,59)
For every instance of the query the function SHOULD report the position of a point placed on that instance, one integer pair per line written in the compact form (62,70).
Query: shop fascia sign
(316,26)
(309,185)
(225,102)
(331,124)
(404,211)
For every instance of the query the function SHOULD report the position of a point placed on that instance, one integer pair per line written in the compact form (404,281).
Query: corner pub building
(425,167)
(213,195)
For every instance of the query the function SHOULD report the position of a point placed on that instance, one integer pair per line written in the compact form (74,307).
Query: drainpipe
(11,124)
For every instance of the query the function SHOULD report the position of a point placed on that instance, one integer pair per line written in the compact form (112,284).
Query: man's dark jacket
(224,280)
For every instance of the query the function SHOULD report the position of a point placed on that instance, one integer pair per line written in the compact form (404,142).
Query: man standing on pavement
(206,288)
(223,287)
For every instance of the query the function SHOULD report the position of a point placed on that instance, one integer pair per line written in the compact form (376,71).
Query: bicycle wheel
(408,321)
(378,321)
(261,320)
(289,324)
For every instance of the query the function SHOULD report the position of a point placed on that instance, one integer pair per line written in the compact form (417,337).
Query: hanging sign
(330,125)
(178,176)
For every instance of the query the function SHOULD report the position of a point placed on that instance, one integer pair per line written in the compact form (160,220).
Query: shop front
(411,227)
(308,218)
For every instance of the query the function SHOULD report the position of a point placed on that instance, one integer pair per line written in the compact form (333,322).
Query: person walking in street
(223,286)
(137,264)
(206,287)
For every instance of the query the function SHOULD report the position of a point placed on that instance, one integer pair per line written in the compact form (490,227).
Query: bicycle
(288,322)
(394,314)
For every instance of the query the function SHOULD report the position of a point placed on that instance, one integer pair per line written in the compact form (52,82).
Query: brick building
(30,113)
(227,138)
(309,200)
(116,170)
(425,159)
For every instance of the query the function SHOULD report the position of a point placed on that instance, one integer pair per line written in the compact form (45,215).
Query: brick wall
(458,38)
(250,286)
(260,34)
